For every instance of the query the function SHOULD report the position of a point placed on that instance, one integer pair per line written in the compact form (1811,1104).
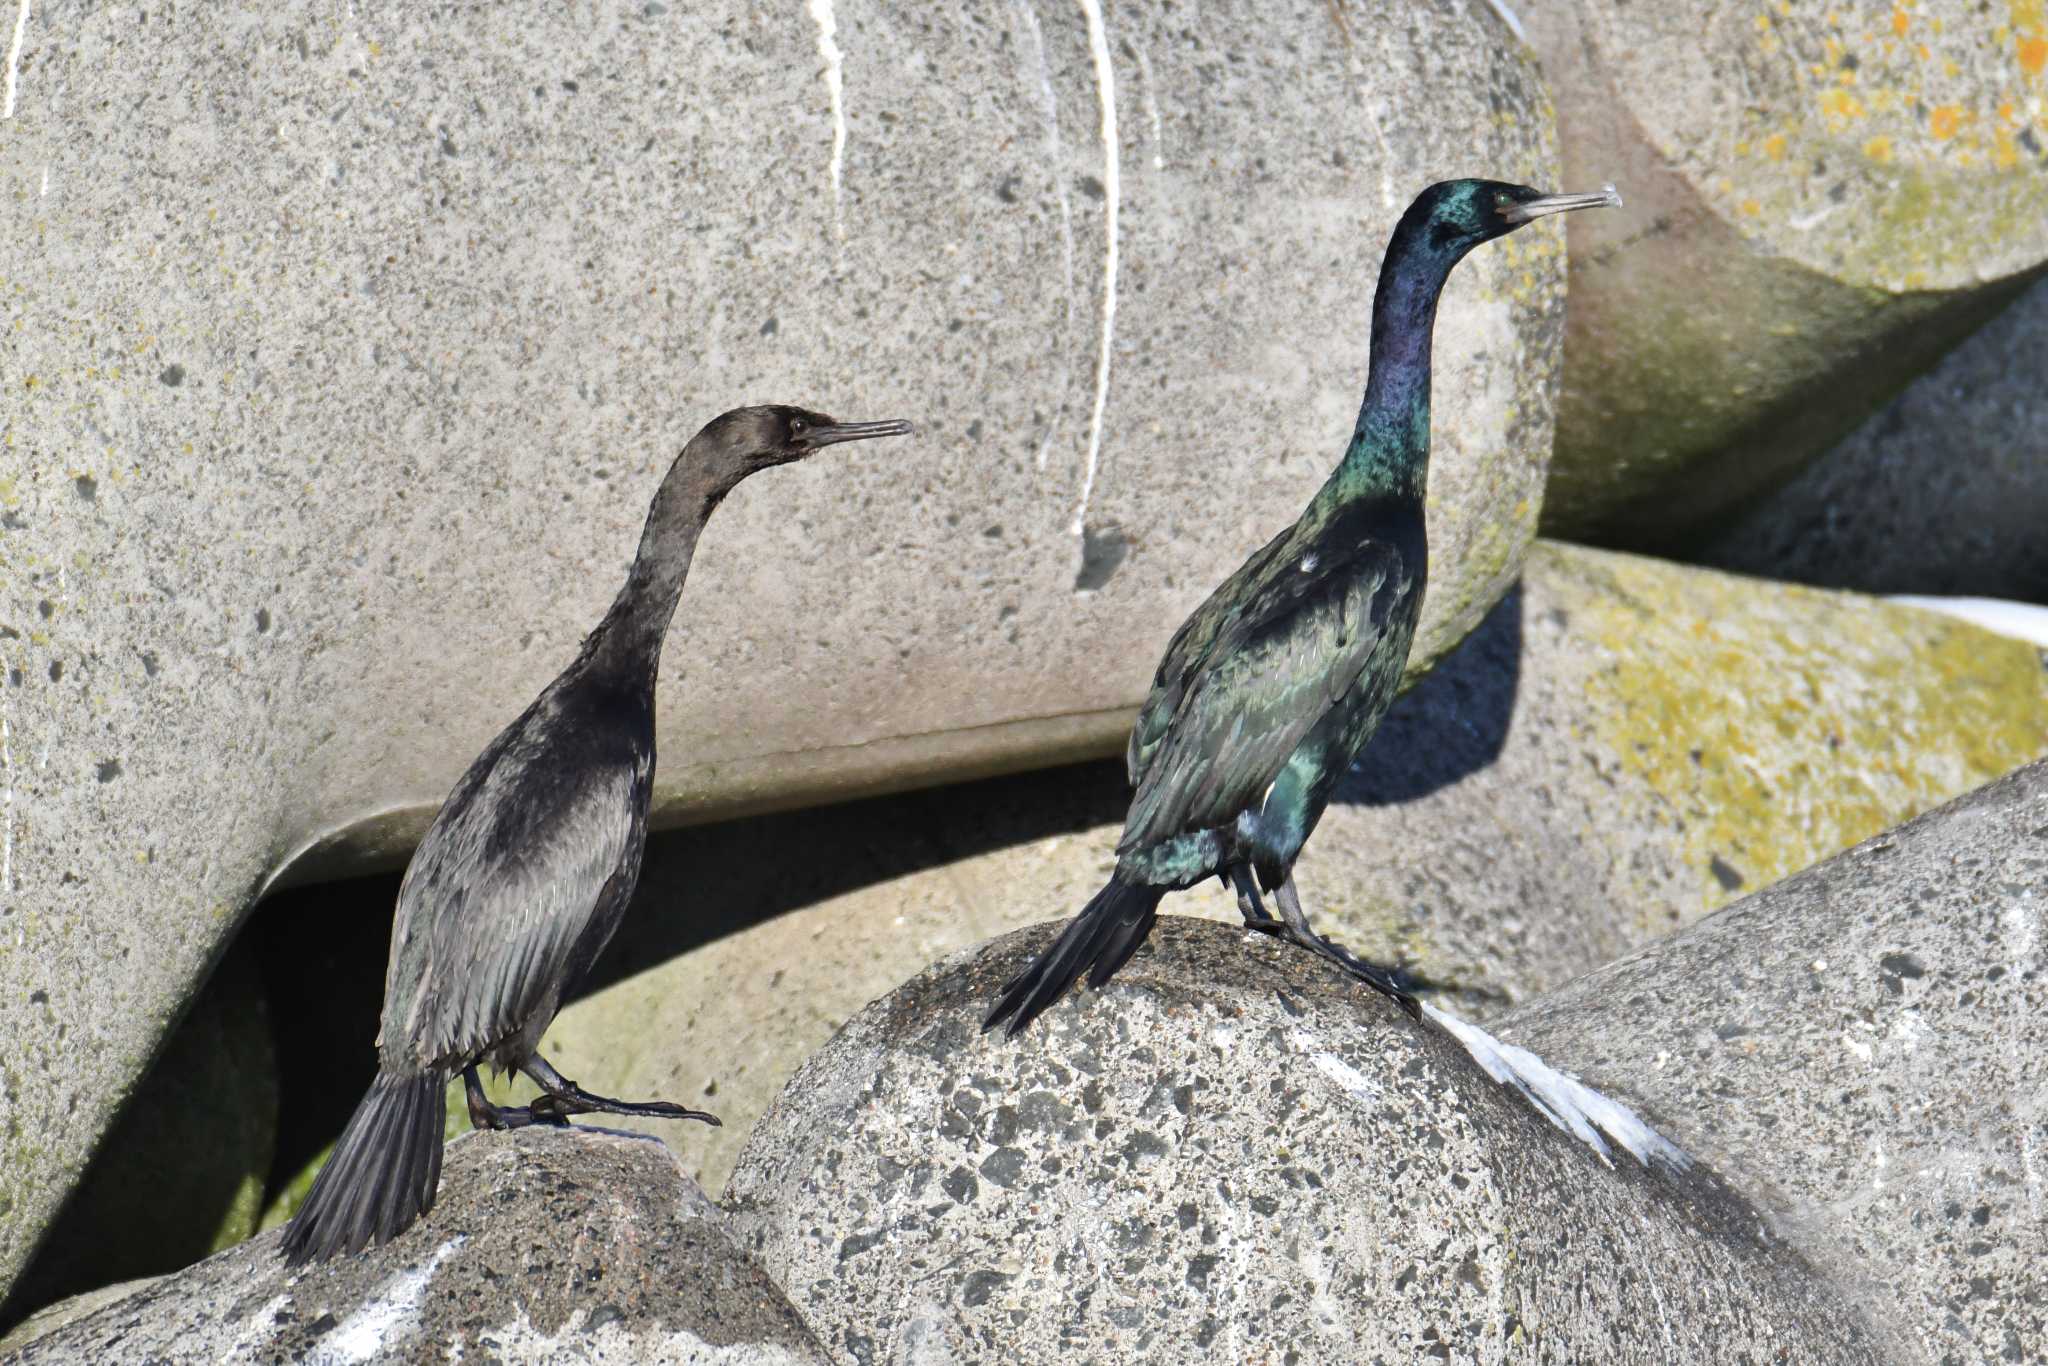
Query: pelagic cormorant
(527,869)
(1268,692)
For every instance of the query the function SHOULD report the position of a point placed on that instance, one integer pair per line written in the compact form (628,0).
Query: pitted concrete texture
(1821,200)
(1230,1153)
(545,1246)
(1861,1050)
(1943,491)
(346,347)
(1624,747)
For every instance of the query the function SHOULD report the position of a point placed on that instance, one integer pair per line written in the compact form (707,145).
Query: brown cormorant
(525,872)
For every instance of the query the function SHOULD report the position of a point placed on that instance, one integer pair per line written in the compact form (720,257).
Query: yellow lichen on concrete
(1781,724)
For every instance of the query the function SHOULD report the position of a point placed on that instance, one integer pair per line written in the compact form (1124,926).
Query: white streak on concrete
(46,182)
(1151,109)
(1056,158)
(835,90)
(2033,1173)
(1566,1102)
(1807,222)
(361,1335)
(1657,1291)
(1508,17)
(1112,196)
(1379,135)
(2020,620)
(14,60)
(1360,1087)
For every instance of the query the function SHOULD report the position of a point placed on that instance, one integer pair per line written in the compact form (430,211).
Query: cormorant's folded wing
(499,894)
(1188,651)
(1271,673)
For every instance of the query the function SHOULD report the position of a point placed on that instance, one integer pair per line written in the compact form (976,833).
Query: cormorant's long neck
(1389,451)
(627,643)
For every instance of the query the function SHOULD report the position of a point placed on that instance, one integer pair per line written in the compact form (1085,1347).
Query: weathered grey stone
(1532,810)
(1821,200)
(1944,491)
(545,1246)
(346,346)
(1863,1050)
(1231,1152)
(181,1173)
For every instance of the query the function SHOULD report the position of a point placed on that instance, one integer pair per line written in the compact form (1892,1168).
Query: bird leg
(484,1115)
(1248,904)
(1294,925)
(561,1098)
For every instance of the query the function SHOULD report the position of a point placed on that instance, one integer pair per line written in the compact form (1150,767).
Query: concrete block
(1821,201)
(345,348)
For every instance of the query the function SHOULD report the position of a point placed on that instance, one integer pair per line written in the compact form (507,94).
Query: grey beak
(857,431)
(1606,197)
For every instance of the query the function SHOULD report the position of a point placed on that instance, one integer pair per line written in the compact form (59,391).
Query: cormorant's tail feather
(1098,941)
(383,1174)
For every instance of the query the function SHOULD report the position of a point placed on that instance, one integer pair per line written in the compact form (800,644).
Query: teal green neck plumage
(1389,450)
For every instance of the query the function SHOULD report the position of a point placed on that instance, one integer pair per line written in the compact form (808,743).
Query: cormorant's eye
(797,427)
(1501,202)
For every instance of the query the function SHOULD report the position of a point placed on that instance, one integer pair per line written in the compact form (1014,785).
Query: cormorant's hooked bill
(831,433)
(1606,197)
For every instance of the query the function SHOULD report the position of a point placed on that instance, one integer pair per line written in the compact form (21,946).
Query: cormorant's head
(756,438)
(1454,216)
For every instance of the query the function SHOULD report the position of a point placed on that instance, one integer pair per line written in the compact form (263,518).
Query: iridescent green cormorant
(1270,690)
(527,869)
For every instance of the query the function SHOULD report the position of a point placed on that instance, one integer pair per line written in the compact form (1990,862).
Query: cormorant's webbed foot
(561,1098)
(1293,925)
(486,1116)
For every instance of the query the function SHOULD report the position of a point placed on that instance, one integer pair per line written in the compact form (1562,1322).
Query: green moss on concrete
(1780,724)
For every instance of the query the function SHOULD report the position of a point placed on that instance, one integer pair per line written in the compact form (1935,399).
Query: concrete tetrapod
(1230,1151)
(547,1246)
(1863,1050)
(1943,491)
(1821,200)
(347,345)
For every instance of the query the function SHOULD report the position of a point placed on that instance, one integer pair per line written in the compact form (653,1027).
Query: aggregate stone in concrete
(1863,1050)
(1943,491)
(1624,747)
(346,346)
(545,1246)
(1228,1155)
(1821,200)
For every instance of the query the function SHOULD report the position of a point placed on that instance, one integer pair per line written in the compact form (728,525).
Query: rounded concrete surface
(1821,200)
(1899,147)
(1230,1152)
(347,345)
(1859,1049)
(544,1246)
